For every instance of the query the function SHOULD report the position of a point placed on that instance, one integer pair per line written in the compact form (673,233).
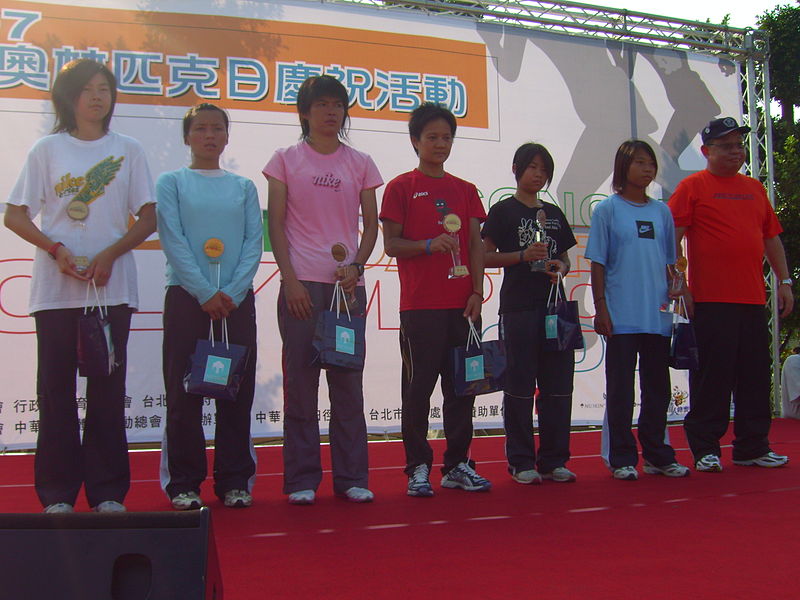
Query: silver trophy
(539,236)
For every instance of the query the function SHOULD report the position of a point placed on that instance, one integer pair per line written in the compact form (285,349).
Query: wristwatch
(358,266)
(788,281)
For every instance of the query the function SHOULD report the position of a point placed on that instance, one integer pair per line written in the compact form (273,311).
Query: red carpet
(712,535)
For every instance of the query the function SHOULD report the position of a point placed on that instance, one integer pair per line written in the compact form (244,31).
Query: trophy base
(538,266)
(457,271)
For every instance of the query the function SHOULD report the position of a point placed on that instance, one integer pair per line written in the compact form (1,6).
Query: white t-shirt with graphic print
(112,175)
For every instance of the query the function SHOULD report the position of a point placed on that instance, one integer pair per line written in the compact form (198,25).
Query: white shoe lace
(420,475)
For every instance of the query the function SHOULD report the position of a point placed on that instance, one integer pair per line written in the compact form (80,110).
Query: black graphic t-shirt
(511,226)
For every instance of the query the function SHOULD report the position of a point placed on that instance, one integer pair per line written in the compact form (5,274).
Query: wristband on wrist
(478,294)
(53,249)
(428,246)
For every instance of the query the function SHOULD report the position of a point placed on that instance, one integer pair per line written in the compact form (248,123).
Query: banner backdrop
(578,96)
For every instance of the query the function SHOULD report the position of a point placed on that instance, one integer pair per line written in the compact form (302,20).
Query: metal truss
(748,47)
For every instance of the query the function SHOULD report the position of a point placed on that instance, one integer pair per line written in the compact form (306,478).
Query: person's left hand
(100,268)
(348,277)
(473,308)
(785,300)
(554,267)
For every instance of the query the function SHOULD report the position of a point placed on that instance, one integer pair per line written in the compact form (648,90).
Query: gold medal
(451,223)
(339,252)
(681,264)
(81,263)
(214,247)
(77,210)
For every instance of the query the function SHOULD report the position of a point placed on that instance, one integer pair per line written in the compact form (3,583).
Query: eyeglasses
(732,147)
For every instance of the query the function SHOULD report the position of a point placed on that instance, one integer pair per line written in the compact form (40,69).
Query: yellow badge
(214,247)
(77,210)
(451,223)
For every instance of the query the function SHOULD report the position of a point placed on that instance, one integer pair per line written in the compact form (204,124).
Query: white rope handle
(338,299)
(98,304)
(556,285)
(472,336)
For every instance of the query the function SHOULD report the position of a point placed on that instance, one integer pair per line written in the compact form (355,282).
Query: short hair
(316,87)
(623,160)
(524,156)
(67,88)
(192,113)
(427,112)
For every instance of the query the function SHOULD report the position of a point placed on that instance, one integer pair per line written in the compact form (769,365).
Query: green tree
(787,192)
(782,23)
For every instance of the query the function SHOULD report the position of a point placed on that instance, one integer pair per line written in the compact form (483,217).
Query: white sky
(743,12)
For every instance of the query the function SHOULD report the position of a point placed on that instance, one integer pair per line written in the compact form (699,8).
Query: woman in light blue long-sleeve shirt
(209,224)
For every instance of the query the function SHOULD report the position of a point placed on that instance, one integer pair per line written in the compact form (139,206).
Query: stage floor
(711,535)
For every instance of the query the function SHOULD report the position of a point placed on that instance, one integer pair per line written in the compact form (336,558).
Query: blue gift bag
(479,367)
(217,367)
(339,337)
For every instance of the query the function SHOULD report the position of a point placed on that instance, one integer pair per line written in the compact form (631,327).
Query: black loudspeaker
(118,556)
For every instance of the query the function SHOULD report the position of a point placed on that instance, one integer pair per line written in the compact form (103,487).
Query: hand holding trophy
(539,237)
(452,225)
(677,283)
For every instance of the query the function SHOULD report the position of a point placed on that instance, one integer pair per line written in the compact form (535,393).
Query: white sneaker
(110,506)
(187,501)
(769,460)
(560,475)
(626,473)
(527,477)
(358,494)
(302,497)
(238,499)
(59,508)
(671,470)
(708,464)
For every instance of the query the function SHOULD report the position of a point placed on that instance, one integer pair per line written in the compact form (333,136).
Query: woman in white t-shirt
(84,181)
(316,189)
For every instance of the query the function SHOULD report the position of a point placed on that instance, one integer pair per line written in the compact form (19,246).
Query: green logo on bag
(345,340)
(218,368)
(551,327)
(473,368)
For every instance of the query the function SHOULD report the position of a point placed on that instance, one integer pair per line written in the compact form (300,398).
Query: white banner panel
(579,97)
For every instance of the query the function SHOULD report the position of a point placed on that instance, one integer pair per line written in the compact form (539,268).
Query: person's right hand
(298,300)
(66,264)
(536,251)
(444,243)
(602,322)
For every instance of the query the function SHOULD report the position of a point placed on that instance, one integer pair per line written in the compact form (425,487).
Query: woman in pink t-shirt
(317,188)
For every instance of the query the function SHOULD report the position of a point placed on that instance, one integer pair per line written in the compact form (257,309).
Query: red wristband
(53,249)
(478,294)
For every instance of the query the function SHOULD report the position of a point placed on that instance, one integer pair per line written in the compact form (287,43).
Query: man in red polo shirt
(730,226)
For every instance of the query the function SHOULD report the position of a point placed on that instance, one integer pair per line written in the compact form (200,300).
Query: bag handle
(338,299)
(225,339)
(556,285)
(472,336)
(98,304)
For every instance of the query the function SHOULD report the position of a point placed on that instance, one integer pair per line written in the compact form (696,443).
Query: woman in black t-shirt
(530,238)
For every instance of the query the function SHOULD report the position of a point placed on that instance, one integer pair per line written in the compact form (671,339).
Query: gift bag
(479,367)
(683,352)
(95,346)
(562,327)
(339,337)
(217,368)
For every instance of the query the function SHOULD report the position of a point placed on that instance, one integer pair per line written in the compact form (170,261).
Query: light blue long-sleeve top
(194,207)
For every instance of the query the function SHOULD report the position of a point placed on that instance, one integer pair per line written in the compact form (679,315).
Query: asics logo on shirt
(646,230)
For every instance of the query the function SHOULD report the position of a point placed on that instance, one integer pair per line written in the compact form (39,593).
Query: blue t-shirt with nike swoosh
(634,242)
